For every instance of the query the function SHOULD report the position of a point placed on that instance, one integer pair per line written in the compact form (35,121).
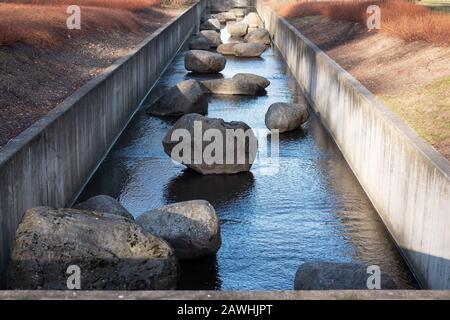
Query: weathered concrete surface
(406,179)
(221,295)
(49,163)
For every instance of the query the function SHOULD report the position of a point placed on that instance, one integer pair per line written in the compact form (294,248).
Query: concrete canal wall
(406,179)
(49,163)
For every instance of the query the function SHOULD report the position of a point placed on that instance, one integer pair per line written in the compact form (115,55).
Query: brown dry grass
(45,26)
(111,4)
(399,18)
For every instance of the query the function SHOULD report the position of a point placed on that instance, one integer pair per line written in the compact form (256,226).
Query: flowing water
(308,206)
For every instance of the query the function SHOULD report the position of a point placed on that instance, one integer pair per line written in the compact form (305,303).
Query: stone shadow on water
(216,189)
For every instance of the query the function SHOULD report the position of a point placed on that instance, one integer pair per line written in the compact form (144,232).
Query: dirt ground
(33,81)
(412,79)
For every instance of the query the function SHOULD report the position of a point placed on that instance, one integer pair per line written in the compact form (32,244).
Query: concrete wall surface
(49,163)
(406,179)
(224,295)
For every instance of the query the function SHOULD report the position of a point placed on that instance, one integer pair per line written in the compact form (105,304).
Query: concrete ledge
(224,295)
(49,163)
(406,179)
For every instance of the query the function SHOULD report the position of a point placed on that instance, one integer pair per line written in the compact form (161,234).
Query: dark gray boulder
(199,42)
(286,116)
(104,204)
(249,50)
(112,252)
(213,37)
(239,84)
(192,228)
(224,155)
(258,36)
(201,61)
(185,97)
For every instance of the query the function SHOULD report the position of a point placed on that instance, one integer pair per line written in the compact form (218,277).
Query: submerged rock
(248,50)
(112,252)
(185,97)
(192,228)
(239,84)
(221,156)
(104,204)
(286,116)
(213,37)
(237,29)
(259,36)
(336,276)
(204,61)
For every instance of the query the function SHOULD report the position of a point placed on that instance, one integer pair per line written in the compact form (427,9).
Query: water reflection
(217,189)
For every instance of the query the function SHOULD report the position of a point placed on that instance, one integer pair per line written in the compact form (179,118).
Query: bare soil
(411,78)
(35,80)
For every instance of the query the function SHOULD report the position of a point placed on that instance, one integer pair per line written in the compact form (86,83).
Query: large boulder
(213,37)
(227,48)
(192,228)
(105,204)
(224,155)
(112,252)
(202,61)
(258,36)
(239,84)
(253,20)
(336,276)
(185,97)
(199,42)
(210,24)
(286,116)
(237,29)
(247,50)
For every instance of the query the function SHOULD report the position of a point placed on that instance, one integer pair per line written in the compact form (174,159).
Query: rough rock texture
(112,252)
(237,29)
(211,24)
(227,49)
(239,84)
(251,29)
(192,228)
(204,61)
(336,276)
(258,36)
(199,42)
(185,97)
(218,160)
(229,16)
(105,204)
(249,49)
(286,116)
(213,37)
(253,20)
(235,40)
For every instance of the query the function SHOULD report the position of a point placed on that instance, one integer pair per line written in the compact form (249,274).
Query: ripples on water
(312,209)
